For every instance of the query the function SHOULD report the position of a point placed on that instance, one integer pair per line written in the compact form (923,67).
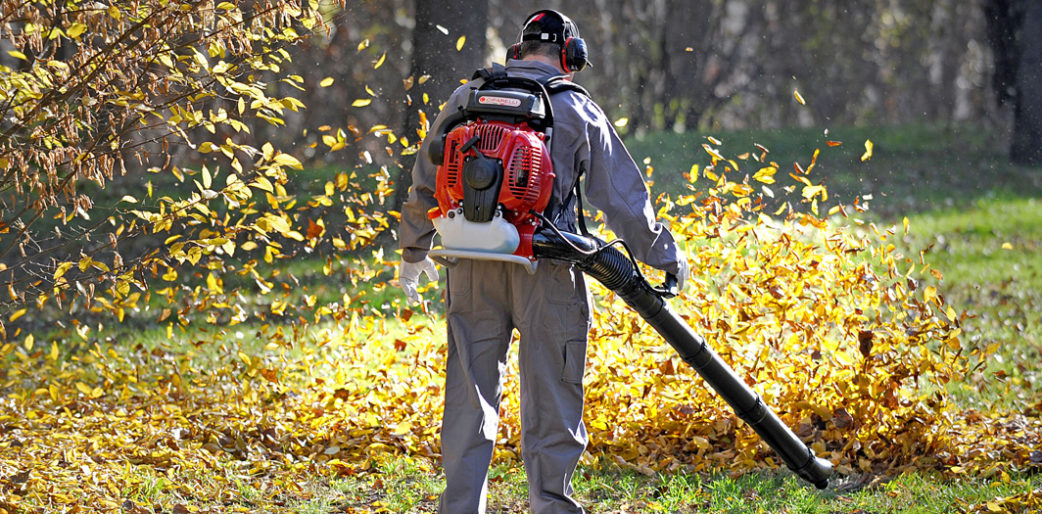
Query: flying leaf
(460,42)
(326,82)
(799,97)
(868,150)
(361,102)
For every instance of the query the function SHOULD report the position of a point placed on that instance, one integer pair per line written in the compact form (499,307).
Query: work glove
(409,276)
(683,273)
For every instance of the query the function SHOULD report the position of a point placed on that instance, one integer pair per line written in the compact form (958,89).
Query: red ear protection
(573,54)
(514,52)
(550,26)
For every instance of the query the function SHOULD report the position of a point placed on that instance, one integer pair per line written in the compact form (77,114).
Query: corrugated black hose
(621,275)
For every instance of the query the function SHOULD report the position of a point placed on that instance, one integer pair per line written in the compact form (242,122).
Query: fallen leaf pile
(845,338)
(1030,501)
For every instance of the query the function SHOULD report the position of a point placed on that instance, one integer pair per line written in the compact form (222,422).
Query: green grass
(912,168)
(963,203)
(406,486)
(988,253)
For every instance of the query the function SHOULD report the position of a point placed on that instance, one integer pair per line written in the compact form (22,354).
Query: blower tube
(617,272)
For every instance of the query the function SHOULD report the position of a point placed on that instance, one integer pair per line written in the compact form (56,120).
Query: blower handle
(670,287)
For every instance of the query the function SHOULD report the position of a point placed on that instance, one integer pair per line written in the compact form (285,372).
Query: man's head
(551,35)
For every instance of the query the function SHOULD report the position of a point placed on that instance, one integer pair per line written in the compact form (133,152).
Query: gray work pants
(486,300)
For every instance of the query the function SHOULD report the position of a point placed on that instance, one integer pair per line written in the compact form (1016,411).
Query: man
(486,300)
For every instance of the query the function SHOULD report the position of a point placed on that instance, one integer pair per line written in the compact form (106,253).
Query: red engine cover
(528,174)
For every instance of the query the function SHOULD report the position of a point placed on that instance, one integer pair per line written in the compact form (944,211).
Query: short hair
(550,50)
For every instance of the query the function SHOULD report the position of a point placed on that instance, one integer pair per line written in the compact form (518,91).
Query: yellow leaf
(799,97)
(61,269)
(326,82)
(812,191)
(403,428)
(363,45)
(17,55)
(621,122)
(929,294)
(460,42)
(712,152)
(766,174)
(868,150)
(288,160)
(17,314)
(262,183)
(83,388)
(361,102)
(380,61)
(75,30)
(1007,246)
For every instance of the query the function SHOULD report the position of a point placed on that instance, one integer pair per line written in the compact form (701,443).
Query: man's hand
(409,276)
(683,273)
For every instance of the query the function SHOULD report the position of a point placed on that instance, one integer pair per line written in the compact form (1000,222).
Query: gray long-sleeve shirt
(583,139)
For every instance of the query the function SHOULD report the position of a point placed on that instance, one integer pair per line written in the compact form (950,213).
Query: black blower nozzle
(617,272)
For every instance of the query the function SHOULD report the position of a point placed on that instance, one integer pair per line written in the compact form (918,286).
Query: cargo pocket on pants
(574,362)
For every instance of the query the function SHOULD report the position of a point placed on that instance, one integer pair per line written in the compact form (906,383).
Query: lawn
(190,407)
(978,220)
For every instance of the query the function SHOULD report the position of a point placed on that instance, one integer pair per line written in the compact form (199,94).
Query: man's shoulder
(577,103)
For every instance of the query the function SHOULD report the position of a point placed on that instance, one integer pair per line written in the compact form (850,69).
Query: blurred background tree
(703,65)
(380,69)
(1014,29)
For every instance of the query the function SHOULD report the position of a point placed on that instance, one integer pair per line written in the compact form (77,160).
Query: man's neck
(546,60)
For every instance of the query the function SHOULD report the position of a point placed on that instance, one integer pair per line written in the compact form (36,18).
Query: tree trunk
(1026,147)
(435,55)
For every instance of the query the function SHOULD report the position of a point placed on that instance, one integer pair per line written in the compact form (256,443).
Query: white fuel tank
(496,236)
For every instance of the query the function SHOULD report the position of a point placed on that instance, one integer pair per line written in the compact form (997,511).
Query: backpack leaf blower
(494,180)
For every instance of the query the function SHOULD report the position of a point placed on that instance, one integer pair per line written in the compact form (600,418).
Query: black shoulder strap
(552,85)
(560,84)
(496,71)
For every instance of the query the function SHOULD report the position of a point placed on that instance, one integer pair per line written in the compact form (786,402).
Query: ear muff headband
(574,55)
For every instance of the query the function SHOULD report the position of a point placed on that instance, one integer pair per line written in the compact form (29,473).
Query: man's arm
(615,185)
(416,231)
